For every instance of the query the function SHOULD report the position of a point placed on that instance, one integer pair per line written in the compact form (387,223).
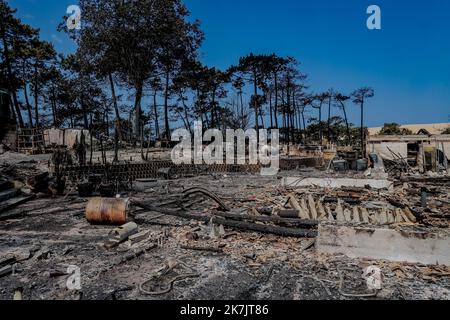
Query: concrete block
(138,237)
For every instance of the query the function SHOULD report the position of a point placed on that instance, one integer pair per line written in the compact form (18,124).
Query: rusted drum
(107,211)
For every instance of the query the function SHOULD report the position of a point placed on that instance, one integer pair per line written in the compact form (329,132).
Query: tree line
(137,72)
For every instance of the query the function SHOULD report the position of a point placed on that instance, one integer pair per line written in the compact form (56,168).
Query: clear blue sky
(407,62)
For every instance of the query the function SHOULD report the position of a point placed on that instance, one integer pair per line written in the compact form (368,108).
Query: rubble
(132,168)
(304,234)
(121,234)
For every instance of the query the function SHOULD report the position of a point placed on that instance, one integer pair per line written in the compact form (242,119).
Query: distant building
(426,141)
(427,152)
(430,129)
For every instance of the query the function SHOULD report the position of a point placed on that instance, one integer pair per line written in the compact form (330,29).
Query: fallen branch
(14,202)
(273,219)
(281,231)
(197,248)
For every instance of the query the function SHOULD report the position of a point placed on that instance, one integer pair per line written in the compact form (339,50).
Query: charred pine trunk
(255,103)
(155,111)
(347,126)
(166,106)
(11,87)
(116,107)
(137,109)
(27,102)
(53,103)
(276,99)
(36,96)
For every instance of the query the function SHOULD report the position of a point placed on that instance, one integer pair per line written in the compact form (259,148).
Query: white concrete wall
(446,148)
(400,148)
(385,244)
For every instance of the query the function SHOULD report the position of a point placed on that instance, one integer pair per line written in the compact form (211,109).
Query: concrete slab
(385,244)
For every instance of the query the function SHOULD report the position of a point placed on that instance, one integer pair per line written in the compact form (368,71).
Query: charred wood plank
(273,219)
(243,225)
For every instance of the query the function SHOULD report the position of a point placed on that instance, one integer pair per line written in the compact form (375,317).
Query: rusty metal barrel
(107,211)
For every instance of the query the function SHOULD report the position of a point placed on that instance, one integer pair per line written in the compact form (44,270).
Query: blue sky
(407,62)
